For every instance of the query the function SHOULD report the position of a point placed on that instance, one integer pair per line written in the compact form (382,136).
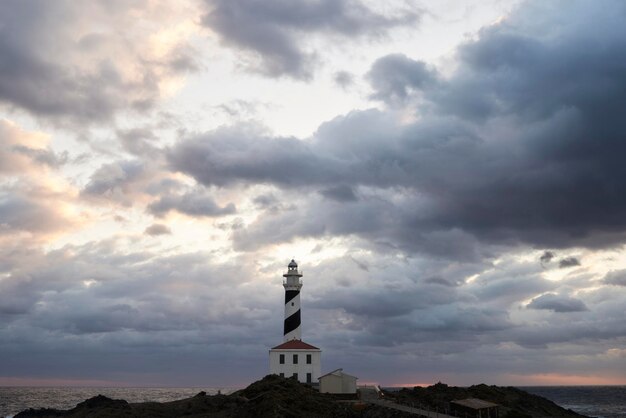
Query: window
(282,375)
(281,360)
(308,377)
(295,359)
(295,375)
(308,359)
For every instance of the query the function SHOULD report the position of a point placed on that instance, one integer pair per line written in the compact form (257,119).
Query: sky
(449,175)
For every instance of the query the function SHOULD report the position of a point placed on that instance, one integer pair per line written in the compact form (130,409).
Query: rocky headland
(274,396)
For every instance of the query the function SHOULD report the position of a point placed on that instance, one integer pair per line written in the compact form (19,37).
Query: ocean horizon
(595,401)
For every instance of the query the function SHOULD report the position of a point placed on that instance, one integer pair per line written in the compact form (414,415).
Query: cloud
(370,307)
(546,257)
(157,229)
(486,131)
(21,212)
(113,180)
(192,204)
(223,158)
(33,199)
(134,182)
(345,151)
(599,325)
(19,149)
(138,141)
(265,200)
(393,77)
(381,223)
(442,281)
(341,193)
(616,278)
(274,30)
(92,282)
(513,281)
(122,304)
(57,58)
(557,303)
(41,156)
(343,79)
(569,262)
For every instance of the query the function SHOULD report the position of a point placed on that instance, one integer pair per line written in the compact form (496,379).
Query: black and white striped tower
(292,285)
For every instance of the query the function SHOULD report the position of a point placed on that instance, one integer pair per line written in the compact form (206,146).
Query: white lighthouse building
(294,357)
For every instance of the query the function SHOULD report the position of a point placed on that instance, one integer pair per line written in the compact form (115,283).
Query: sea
(593,401)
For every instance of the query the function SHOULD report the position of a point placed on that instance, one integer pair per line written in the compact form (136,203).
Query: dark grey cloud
(157,229)
(455,327)
(223,157)
(364,302)
(569,262)
(195,203)
(138,141)
(510,283)
(616,278)
(547,256)
(164,187)
(276,30)
(113,177)
(341,193)
(382,224)
(265,200)
(441,281)
(557,303)
(359,148)
(590,325)
(393,77)
(370,307)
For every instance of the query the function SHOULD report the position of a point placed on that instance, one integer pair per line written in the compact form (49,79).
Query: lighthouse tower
(292,285)
(294,357)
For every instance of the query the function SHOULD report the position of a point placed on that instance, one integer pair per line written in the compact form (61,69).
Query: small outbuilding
(338,382)
(474,408)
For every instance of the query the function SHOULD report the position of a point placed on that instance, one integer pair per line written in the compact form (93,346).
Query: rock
(100,406)
(515,403)
(100,401)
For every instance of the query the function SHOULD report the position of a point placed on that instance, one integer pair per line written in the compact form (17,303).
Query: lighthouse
(292,285)
(294,357)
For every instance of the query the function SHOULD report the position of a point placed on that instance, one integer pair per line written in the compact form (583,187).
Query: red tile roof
(295,345)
